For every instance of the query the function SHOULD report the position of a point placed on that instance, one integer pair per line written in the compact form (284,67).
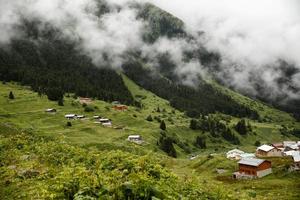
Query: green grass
(26,113)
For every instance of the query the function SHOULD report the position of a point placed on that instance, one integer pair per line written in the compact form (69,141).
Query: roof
(288,143)
(265,148)
(70,115)
(235,151)
(291,153)
(296,158)
(134,136)
(251,161)
(279,144)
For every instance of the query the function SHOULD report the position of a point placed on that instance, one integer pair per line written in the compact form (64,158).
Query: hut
(268,151)
(252,168)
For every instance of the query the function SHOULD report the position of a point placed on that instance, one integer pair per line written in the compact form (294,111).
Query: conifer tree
(163,125)
(11,95)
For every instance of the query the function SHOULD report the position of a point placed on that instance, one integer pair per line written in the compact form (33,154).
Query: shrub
(257,143)
(88,109)
(149,118)
(69,124)
(84,105)
(11,95)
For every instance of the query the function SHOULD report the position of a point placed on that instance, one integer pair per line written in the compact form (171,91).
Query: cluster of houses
(100,120)
(250,166)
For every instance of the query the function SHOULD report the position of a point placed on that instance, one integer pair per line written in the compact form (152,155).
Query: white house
(268,151)
(80,116)
(71,116)
(50,110)
(234,154)
(135,138)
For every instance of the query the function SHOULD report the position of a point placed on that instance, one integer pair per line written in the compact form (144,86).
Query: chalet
(50,110)
(84,100)
(71,116)
(120,107)
(268,151)
(234,154)
(135,138)
(80,117)
(252,168)
(105,122)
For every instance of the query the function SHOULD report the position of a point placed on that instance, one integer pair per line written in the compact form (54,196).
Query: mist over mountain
(250,47)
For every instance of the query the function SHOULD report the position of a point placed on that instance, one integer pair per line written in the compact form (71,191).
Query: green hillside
(36,145)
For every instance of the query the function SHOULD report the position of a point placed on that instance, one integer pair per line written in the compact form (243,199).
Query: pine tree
(163,125)
(11,95)
(158,109)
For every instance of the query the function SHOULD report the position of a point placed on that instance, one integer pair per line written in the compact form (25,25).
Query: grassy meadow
(26,113)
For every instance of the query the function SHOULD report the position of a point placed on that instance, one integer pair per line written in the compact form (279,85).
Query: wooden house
(252,168)
(84,100)
(120,107)
(268,151)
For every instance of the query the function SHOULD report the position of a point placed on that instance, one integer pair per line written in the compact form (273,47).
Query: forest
(53,65)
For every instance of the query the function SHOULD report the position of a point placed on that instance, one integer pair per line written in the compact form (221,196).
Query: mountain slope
(52,64)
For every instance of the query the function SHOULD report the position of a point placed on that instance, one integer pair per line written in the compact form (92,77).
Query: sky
(251,36)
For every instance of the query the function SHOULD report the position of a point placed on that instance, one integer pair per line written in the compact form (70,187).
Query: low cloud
(252,37)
